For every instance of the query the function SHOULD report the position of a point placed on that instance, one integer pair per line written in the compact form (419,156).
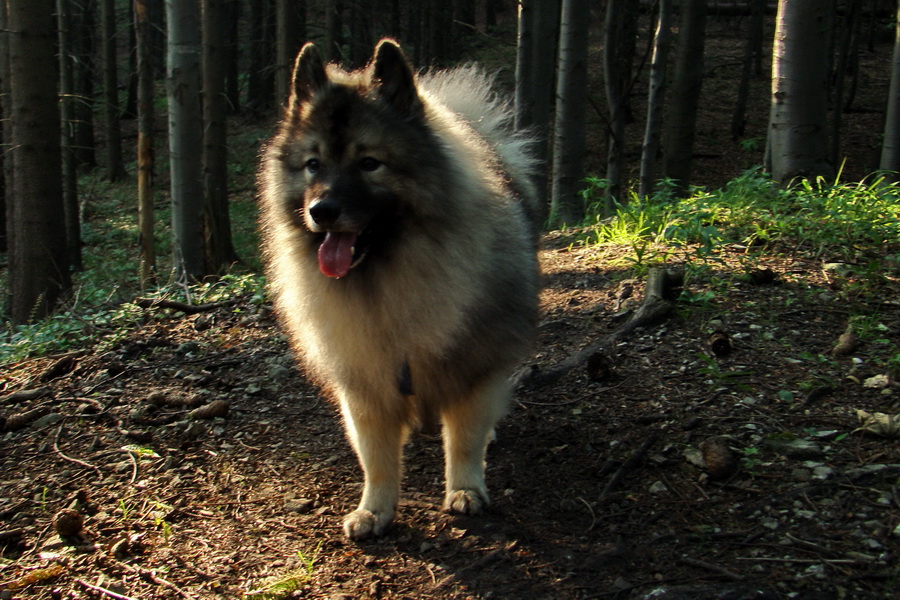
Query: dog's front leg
(468,428)
(378,438)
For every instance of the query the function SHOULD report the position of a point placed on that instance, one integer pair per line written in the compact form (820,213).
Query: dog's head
(355,149)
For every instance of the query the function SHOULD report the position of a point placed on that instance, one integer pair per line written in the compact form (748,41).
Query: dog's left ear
(395,80)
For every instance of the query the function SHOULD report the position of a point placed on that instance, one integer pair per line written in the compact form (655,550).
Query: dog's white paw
(466,502)
(362,523)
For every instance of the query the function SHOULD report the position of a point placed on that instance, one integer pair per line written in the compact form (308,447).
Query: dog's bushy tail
(469,91)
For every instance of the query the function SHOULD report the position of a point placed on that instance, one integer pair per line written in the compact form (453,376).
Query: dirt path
(596,485)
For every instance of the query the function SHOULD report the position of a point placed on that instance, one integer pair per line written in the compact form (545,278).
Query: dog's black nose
(325,212)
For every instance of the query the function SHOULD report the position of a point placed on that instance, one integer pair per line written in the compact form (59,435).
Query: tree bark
(217,222)
(797,146)
(7,233)
(290,33)
(655,100)
(847,48)
(83,25)
(185,137)
(524,98)
(115,170)
(39,269)
(890,149)
(682,119)
(570,143)
(751,45)
(67,139)
(145,117)
(545,50)
(618,55)
(260,76)
(231,57)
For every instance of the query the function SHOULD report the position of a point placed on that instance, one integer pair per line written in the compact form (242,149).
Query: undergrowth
(854,222)
(101,309)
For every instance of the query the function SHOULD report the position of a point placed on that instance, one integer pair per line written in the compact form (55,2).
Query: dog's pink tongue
(336,253)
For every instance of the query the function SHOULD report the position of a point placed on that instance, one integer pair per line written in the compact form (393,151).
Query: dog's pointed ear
(308,76)
(394,78)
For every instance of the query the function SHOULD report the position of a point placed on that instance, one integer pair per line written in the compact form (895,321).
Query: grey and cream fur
(400,248)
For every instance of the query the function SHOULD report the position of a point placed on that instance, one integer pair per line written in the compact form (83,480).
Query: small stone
(279,373)
(658,487)
(299,505)
(794,448)
(188,348)
(822,472)
(216,408)
(47,420)
(802,475)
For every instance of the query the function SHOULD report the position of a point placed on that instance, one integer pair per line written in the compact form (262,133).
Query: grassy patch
(857,222)
(100,308)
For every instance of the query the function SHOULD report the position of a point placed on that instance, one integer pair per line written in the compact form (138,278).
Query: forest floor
(597,488)
(189,459)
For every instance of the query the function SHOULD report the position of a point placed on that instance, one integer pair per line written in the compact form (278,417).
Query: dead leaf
(879,423)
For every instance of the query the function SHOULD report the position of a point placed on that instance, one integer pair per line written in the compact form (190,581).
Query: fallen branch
(25,395)
(66,457)
(628,466)
(693,562)
(152,576)
(103,591)
(661,290)
(188,309)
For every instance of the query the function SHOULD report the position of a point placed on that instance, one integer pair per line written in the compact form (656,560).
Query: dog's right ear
(308,77)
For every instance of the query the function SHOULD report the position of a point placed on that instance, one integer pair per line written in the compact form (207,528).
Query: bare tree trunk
(846,50)
(545,50)
(66,101)
(681,123)
(890,149)
(145,143)
(797,145)
(616,71)
(570,143)
(260,76)
(219,248)
(231,57)
(115,170)
(290,33)
(360,43)
(655,99)
(524,98)
(83,25)
(754,35)
(185,137)
(7,233)
(333,27)
(39,272)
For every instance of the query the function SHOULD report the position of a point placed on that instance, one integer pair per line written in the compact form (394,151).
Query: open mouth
(340,251)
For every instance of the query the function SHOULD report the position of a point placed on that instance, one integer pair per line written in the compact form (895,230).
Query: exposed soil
(794,509)
(598,491)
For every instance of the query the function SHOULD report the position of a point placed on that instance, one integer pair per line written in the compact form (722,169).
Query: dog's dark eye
(369,164)
(312,165)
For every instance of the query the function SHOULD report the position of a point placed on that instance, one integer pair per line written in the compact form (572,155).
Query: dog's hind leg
(468,428)
(378,438)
